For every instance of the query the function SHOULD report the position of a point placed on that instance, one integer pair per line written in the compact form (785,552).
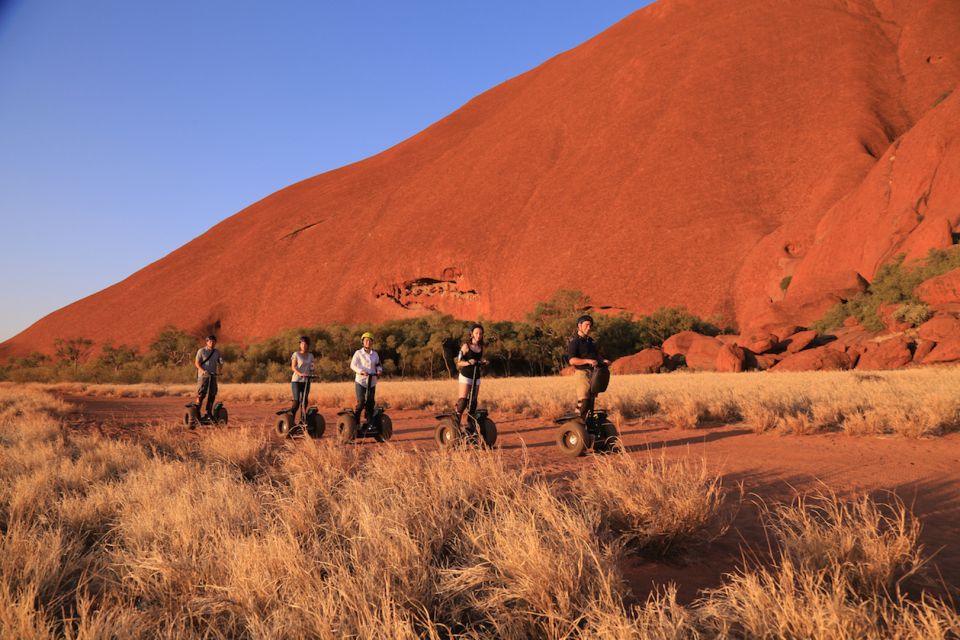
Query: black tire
(316,425)
(572,438)
(385,432)
(488,432)
(188,420)
(447,434)
(284,425)
(346,428)
(609,439)
(222,416)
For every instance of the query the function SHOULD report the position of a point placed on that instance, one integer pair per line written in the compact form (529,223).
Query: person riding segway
(376,423)
(209,364)
(588,427)
(480,429)
(309,421)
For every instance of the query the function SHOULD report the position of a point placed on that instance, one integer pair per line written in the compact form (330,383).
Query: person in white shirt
(366,364)
(301,363)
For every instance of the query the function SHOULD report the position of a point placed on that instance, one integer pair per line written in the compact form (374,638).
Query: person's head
(304,344)
(366,340)
(211,341)
(476,333)
(584,325)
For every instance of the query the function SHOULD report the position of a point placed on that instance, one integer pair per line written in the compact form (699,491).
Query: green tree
(73,352)
(116,358)
(173,348)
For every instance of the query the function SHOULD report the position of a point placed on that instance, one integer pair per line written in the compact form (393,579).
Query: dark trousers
(370,401)
(207,386)
(300,395)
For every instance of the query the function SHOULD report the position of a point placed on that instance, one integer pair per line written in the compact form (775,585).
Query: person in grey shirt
(301,363)
(209,363)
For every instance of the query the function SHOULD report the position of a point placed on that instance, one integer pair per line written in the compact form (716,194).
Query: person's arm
(196,362)
(461,359)
(293,365)
(378,369)
(573,355)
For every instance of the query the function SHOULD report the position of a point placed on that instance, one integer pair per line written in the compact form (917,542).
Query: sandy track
(925,474)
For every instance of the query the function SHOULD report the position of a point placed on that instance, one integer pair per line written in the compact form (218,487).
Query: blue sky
(129,128)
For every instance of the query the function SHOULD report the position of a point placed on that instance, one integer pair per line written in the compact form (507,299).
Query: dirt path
(925,474)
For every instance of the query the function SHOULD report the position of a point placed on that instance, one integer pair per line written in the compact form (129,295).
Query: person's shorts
(582,381)
(204,384)
(465,380)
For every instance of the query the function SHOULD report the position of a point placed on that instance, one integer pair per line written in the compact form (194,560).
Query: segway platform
(309,424)
(575,436)
(349,428)
(480,431)
(192,418)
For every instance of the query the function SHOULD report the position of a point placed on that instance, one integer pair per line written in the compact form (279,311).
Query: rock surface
(735,128)
(817,359)
(645,361)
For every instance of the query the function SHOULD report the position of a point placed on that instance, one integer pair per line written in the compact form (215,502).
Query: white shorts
(465,380)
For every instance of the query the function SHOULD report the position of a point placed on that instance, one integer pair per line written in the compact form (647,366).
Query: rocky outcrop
(888,354)
(646,361)
(817,359)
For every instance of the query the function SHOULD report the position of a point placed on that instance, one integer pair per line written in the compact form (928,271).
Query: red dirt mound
(696,153)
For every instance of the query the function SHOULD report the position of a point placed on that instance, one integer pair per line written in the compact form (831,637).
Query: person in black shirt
(583,354)
(469,361)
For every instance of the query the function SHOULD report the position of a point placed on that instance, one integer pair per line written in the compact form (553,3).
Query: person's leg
(360,390)
(296,389)
(203,384)
(464,391)
(211,395)
(582,379)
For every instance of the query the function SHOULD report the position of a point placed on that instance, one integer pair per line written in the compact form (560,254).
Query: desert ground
(754,476)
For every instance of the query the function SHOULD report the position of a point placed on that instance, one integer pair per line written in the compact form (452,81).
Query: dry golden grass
(912,403)
(242,537)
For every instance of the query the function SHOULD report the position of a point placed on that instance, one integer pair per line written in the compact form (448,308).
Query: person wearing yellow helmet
(366,365)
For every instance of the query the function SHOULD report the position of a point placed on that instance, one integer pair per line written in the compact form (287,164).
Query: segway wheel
(488,432)
(447,434)
(386,429)
(284,425)
(572,438)
(608,441)
(221,415)
(316,425)
(346,428)
(188,419)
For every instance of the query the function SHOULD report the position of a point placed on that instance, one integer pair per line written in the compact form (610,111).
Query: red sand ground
(925,474)
(695,154)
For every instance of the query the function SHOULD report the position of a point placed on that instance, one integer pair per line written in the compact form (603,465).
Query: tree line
(422,347)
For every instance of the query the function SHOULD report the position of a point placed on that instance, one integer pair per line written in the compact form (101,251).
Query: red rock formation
(924,347)
(940,328)
(702,354)
(730,359)
(800,341)
(943,289)
(679,343)
(889,354)
(818,359)
(710,148)
(645,361)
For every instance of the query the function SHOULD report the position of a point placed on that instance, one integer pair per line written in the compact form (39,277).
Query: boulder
(817,359)
(728,338)
(782,331)
(759,342)
(800,340)
(679,343)
(944,289)
(886,312)
(766,361)
(702,354)
(924,347)
(946,351)
(932,233)
(567,371)
(940,328)
(646,361)
(889,354)
(730,359)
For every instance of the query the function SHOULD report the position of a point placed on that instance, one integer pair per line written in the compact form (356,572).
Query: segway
(192,417)
(309,422)
(480,430)
(379,427)
(575,435)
